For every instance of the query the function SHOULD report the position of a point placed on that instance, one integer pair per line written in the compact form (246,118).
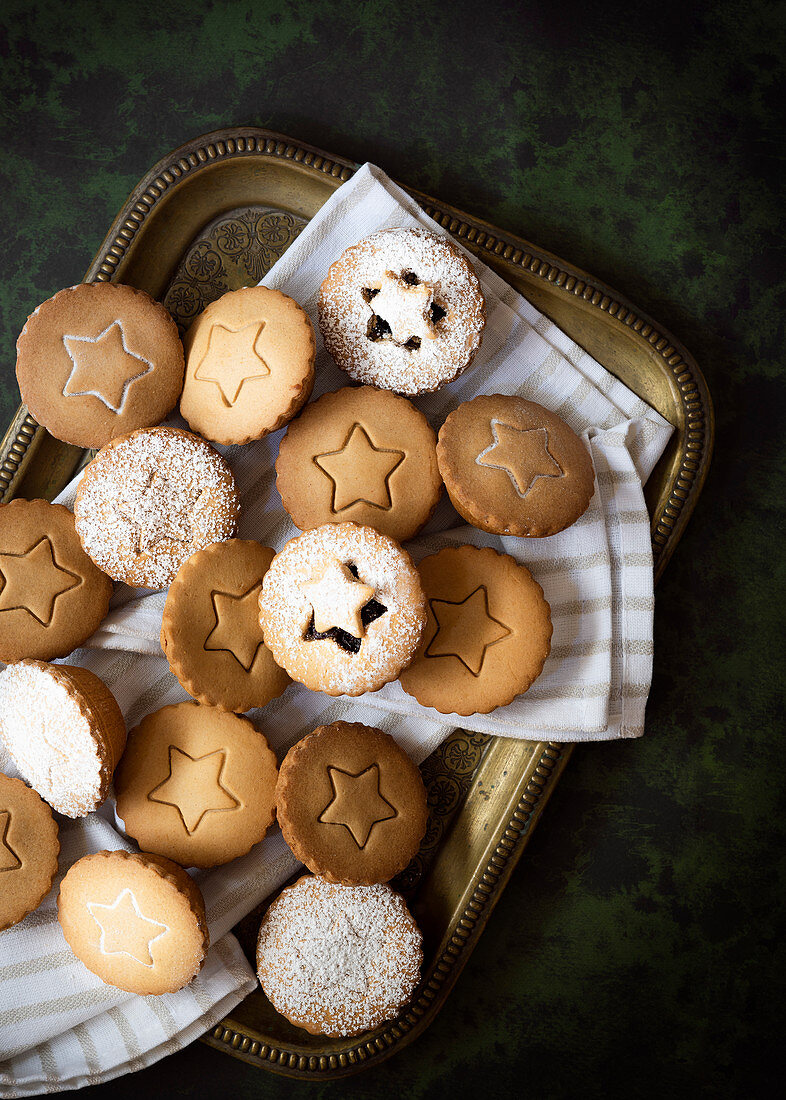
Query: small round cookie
(403,310)
(97,361)
(363,455)
(137,921)
(342,609)
(351,804)
(196,784)
(64,731)
(338,960)
(512,467)
(52,596)
(249,365)
(210,631)
(148,500)
(29,848)
(488,633)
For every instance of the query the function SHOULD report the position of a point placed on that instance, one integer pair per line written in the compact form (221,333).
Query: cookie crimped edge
(139,730)
(101,599)
(125,290)
(285,484)
(333,271)
(170,872)
(181,581)
(290,764)
(54,839)
(300,396)
(490,521)
(488,551)
(131,576)
(98,706)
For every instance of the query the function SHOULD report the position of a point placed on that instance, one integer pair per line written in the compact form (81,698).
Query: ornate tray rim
(668,521)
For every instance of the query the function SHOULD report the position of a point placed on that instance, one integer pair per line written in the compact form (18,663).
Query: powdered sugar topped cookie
(342,609)
(338,960)
(403,310)
(148,500)
(64,731)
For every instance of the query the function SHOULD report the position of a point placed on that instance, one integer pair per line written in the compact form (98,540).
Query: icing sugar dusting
(344,312)
(50,740)
(341,959)
(150,500)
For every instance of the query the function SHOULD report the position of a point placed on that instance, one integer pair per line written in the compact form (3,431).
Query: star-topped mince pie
(149,500)
(97,361)
(360,454)
(402,310)
(342,609)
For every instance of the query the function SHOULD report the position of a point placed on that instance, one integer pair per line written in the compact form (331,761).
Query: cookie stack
(341,609)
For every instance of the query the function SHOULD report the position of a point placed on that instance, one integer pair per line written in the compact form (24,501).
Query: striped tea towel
(59,1027)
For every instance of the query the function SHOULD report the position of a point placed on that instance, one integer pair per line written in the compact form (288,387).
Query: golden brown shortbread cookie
(52,597)
(149,500)
(64,730)
(402,310)
(137,921)
(249,365)
(488,633)
(338,960)
(196,784)
(351,804)
(29,848)
(210,630)
(342,609)
(512,467)
(99,360)
(362,455)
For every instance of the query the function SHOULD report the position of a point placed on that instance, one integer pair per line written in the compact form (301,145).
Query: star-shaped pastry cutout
(237,629)
(231,359)
(9,860)
(32,581)
(405,307)
(465,630)
(194,787)
(338,599)
(125,930)
(357,803)
(104,367)
(163,510)
(523,453)
(360,472)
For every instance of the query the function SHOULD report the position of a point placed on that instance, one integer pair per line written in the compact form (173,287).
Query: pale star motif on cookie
(163,510)
(9,860)
(33,581)
(104,367)
(194,787)
(232,359)
(509,452)
(465,630)
(337,599)
(237,629)
(125,930)
(405,307)
(360,472)
(357,803)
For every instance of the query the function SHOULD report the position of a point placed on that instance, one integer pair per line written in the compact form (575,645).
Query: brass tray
(214,215)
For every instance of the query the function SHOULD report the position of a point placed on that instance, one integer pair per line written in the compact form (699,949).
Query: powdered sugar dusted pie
(338,960)
(148,500)
(402,310)
(342,609)
(64,731)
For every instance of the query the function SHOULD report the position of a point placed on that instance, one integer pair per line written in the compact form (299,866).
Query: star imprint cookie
(29,849)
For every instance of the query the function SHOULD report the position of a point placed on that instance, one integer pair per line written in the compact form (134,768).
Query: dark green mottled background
(637,951)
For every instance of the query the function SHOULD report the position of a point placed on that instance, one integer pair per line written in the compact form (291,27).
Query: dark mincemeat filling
(379,329)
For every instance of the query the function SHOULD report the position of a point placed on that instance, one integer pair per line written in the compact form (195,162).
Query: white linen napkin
(60,1025)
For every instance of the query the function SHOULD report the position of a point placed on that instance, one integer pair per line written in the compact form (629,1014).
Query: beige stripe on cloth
(64,1028)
